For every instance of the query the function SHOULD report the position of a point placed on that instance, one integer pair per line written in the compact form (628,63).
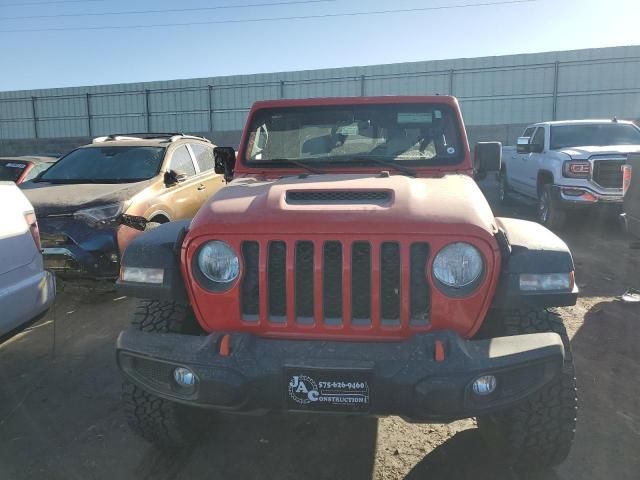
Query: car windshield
(11,170)
(106,165)
(415,134)
(594,134)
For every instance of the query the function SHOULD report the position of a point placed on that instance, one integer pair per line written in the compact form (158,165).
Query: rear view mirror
(488,157)
(225,162)
(522,145)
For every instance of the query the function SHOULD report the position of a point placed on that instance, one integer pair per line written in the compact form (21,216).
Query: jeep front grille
(608,172)
(359,284)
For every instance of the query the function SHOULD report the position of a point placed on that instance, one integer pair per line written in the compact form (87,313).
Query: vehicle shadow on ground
(466,456)
(273,447)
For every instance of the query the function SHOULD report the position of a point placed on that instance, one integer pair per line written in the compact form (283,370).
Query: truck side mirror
(488,157)
(522,145)
(225,162)
(171,177)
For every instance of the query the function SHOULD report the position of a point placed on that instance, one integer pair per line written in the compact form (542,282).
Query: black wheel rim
(543,207)
(502,190)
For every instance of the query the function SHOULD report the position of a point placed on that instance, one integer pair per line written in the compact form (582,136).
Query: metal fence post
(35,117)
(147,111)
(362,85)
(281,88)
(88,100)
(210,106)
(556,70)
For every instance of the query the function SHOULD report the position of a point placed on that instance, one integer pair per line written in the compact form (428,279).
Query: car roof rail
(170,137)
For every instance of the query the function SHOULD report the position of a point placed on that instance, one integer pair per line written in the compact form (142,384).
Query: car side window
(36,170)
(538,138)
(528,132)
(204,156)
(182,162)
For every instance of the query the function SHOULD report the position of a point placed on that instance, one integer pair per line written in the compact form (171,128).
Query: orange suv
(88,202)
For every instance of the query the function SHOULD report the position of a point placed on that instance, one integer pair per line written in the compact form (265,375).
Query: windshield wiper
(299,164)
(389,163)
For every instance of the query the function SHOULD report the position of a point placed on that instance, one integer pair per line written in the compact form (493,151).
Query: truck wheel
(549,213)
(503,189)
(537,432)
(159,421)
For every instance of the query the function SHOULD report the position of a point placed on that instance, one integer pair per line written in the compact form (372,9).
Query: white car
(568,165)
(27,290)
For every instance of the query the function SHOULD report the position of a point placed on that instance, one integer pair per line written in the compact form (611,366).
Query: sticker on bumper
(329,391)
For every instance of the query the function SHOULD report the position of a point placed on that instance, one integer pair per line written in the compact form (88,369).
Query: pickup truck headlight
(218,262)
(102,214)
(576,169)
(458,266)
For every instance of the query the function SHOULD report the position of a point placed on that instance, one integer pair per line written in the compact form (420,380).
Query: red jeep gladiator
(352,265)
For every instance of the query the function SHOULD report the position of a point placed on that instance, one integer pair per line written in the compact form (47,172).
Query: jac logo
(303,389)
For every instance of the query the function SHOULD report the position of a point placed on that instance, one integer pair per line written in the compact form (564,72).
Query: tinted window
(538,138)
(11,171)
(204,156)
(110,164)
(594,134)
(33,173)
(346,134)
(181,162)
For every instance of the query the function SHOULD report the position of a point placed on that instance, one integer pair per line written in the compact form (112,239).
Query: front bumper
(73,249)
(579,197)
(427,378)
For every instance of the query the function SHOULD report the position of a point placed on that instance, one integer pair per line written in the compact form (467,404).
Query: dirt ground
(60,416)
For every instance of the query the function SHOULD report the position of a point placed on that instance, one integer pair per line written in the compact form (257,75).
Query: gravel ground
(60,416)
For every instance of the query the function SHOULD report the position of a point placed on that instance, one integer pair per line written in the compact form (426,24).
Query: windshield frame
(79,181)
(460,162)
(553,128)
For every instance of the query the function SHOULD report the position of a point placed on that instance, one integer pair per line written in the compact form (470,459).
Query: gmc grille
(608,173)
(358,284)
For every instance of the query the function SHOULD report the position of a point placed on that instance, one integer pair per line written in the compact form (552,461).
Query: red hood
(428,206)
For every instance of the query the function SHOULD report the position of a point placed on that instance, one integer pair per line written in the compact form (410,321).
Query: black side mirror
(172,177)
(522,145)
(225,162)
(488,157)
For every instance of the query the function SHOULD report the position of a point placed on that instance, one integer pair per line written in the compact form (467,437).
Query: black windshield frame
(595,140)
(449,117)
(48,175)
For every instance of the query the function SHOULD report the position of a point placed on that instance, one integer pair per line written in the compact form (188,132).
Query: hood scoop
(337,197)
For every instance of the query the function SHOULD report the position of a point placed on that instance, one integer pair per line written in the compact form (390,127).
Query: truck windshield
(416,134)
(106,165)
(593,134)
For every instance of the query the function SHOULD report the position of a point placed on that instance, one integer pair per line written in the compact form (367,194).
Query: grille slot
(337,196)
(250,293)
(390,283)
(332,283)
(419,292)
(304,282)
(608,173)
(277,281)
(361,283)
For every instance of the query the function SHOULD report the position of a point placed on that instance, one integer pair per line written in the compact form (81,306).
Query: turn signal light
(626,178)
(30,218)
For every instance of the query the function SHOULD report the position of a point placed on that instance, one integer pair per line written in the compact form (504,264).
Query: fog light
(484,385)
(184,377)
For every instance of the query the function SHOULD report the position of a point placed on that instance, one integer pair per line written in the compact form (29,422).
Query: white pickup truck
(568,165)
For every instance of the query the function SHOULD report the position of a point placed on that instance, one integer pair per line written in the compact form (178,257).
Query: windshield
(11,170)
(417,134)
(593,134)
(106,165)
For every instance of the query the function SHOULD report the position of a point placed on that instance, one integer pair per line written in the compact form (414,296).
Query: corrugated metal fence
(514,89)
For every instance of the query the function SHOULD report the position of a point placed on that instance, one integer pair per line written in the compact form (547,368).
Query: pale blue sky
(44,59)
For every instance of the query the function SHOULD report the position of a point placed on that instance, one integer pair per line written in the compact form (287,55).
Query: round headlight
(458,265)
(218,262)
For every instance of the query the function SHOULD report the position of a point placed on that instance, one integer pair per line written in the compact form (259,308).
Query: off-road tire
(538,432)
(503,189)
(161,422)
(549,212)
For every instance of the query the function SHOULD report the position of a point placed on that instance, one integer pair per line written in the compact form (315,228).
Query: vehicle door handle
(202,187)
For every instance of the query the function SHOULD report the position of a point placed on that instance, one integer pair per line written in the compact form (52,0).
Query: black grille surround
(315,274)
(608,172)
(328,197)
